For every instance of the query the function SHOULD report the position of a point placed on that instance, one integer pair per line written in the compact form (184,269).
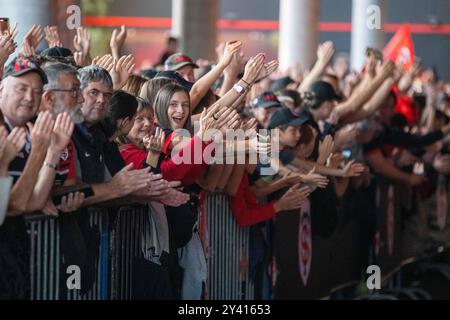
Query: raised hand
(386,69)
(236,65)
(105,62)
(117,41)
(80,59)
(82,41)
(7,47)
(325,148)
(325,52)
(62,131)
(31,40)
(27,50)
(267,69)
(155,142)
(253,68)
(13,32)
(10,145)
(352,79)
(122,70)
(41,131)
(231,48)
(335,160)
(52,36)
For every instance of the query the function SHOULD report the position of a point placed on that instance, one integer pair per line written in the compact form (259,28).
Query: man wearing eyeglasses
(62,93)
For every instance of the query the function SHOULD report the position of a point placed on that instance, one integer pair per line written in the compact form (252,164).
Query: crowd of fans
(93,131)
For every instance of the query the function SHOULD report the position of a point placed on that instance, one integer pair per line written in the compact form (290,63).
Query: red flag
(401,49)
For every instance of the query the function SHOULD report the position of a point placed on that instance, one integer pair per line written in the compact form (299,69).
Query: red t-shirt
(246,208)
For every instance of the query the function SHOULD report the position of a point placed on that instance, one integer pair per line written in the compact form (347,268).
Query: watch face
(238,88)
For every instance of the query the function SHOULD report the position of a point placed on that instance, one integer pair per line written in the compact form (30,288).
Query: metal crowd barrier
(120,237)
(47,274)
(226,246)
(227,250)
(125,242)
(45,258)
(119,243)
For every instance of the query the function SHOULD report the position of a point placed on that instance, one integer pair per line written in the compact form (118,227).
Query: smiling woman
(172,107)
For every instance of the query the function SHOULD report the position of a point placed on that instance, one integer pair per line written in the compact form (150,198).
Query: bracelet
(50,165)
(245,82)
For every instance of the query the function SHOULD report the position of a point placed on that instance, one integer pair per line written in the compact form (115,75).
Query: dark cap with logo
(19,67)
(285,117)
(266,99)
(323,91)
(177,61)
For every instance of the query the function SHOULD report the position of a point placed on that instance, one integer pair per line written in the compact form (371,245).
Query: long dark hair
(162,102)
(123,105)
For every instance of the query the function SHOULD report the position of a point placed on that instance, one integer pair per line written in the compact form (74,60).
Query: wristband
(50,165)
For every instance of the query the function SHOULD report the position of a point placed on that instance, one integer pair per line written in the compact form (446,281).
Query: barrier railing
(227,249)
(48,279)
(310,266)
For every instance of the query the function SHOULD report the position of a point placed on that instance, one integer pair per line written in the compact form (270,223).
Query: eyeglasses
(75,92)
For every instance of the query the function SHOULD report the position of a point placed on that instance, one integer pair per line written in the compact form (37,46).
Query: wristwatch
(238,88)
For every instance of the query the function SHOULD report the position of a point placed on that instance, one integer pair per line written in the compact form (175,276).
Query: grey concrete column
(194,23)
(299,32)
(368,18)
(26,13)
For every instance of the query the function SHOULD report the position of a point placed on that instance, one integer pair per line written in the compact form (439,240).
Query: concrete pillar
(26,13)
(194,23)
(299,32)
(368,18)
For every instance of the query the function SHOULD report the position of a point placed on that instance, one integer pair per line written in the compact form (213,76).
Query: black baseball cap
(266,99)
(57,52)
(281,83)
(19,66)
(285,117)
(323,91)
(176,76)
(177,61)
